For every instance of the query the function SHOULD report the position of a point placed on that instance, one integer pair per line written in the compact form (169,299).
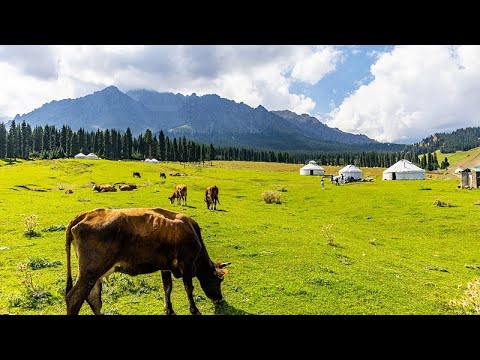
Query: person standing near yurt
(322,182)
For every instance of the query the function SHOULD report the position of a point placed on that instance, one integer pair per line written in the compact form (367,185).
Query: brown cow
(138,241)
(163,176)
(69,191)
(104,188)
(127,187)
(211,197)
(179,193)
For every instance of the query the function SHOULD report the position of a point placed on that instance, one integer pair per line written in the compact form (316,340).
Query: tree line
(49,142)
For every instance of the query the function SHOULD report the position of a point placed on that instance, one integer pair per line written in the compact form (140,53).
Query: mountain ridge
(209,118)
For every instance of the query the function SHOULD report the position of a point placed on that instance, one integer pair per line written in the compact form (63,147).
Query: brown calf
(211,197)
(127,187)
(104,188)
(179,193)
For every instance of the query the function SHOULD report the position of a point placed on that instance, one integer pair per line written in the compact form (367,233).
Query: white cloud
(315,64)
(33,75)
(415,91)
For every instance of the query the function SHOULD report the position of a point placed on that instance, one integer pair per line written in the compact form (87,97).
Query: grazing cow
(104,188)
(211,197)
(162,175)
(133,242)
(69,191)
(179,193)
(136,174)
(127,187)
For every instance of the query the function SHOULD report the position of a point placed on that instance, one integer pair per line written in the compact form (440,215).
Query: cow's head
(211,284)
(96,187)
(171,198)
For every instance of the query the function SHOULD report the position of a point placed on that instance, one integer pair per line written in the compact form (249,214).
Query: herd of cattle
(179,192)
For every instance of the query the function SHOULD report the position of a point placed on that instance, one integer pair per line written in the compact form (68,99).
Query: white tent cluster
(351,171)
(90,156)
(404,170)
(152,160)
(312,168)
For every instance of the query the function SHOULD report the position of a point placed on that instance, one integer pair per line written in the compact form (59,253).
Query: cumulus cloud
(315,64)
(415,91)
(252,74)
(37,61)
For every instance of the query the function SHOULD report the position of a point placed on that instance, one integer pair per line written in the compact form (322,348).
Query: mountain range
(207,119)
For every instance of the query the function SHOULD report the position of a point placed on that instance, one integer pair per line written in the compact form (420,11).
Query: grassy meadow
(380,247)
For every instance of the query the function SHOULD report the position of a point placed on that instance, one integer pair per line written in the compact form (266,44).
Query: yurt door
(394,177)
(311,172)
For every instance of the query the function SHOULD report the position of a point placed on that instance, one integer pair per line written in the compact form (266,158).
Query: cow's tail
(68,242)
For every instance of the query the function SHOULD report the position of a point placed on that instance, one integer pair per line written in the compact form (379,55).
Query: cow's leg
(167,288)
(94,299)
(79,293)
(187,282)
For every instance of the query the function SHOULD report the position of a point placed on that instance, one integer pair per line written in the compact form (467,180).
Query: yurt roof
(404,166)
(154,160)
(80,154)
(148,160)
(312,165)
(350,168)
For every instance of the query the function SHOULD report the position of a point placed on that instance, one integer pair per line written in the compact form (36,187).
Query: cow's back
(138,240)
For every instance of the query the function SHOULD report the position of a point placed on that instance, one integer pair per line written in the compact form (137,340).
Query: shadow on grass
(32,234)
(221,210)
(225,309)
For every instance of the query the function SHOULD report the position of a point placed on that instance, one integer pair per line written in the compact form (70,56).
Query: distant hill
(459,140)
(207,119)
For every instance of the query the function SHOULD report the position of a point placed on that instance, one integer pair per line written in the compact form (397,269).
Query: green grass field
(378,247)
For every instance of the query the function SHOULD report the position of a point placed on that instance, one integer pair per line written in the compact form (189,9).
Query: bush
(271,197)
(30,225)
(53,228)
(32,296)
(441,203)
(35,263)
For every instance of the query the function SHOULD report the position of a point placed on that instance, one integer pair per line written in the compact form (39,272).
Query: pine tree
(3,141)
(162,146)
(12,141)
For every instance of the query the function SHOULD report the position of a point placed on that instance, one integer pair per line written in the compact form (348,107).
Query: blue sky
(390,93)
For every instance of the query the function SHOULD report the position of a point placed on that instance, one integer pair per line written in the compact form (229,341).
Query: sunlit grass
(361,248)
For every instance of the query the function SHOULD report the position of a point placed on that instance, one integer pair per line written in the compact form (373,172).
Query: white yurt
(92,156)
(458,170)
(80,156)
(148,160)
(154,160)
(404,170)
(312,168)
(351,171)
